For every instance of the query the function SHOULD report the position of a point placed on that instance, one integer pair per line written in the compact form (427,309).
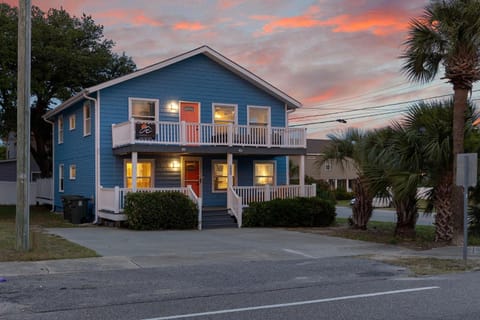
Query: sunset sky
(332,55)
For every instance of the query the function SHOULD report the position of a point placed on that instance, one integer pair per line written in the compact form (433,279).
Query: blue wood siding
(244,175)
(196,79)
(75,150)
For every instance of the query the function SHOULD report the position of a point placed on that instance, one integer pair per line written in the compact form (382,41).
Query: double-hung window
(61,178)
(144,112)
(258,121)
(60,129)
(220,175)
(72,122)
(87,118)
(73,172)
(264,173)
(145,169)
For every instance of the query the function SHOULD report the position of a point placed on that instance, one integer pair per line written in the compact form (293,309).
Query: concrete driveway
(221,245)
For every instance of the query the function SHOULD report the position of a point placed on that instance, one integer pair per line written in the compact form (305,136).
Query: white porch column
(134,171)
(230,170)
(301,174)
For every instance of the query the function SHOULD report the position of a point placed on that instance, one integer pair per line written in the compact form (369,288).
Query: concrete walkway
(127,249)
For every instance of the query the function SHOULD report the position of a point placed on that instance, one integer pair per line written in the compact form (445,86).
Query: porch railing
(234,203)
(113,199)
(239,197)
(205,134)
(267,192)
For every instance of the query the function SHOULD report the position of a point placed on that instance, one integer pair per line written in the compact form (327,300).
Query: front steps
(213,218)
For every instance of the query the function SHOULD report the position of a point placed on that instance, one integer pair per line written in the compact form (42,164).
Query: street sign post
(466,177)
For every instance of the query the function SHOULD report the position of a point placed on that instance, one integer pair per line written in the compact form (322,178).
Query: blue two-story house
(197,123)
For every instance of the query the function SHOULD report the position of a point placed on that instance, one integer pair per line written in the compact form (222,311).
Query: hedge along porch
(197,123)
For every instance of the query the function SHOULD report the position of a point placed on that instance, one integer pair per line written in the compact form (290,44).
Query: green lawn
(43,246)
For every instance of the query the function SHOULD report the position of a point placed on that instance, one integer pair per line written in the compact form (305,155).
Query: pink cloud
(189,26)
(379,22)
(134,17)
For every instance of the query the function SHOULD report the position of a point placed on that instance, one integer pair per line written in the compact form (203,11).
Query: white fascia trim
(209,52)
(214,55)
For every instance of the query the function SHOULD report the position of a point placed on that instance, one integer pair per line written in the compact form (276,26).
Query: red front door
(190,113)
(191,169)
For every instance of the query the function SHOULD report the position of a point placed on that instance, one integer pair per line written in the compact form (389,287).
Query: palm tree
(430,127)
(349,145)
(447,33)
(394,171)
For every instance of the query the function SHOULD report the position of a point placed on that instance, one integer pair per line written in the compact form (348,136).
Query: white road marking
(292,304)
(299,253)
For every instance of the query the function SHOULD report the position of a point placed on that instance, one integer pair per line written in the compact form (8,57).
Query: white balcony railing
(205,134)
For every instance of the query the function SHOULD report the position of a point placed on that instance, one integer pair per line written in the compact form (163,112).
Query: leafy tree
(448,35)
(68,54)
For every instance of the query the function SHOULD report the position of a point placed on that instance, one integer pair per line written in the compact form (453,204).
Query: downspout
(53,163)
(97,151)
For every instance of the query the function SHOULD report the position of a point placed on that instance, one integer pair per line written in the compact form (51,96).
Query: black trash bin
(75,208)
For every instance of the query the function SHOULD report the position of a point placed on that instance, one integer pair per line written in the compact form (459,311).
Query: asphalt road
(387,215)
(328,288)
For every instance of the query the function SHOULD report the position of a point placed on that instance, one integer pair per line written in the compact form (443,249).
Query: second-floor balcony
(205,134)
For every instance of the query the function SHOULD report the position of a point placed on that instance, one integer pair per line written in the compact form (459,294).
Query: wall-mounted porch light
(174,164)
(173,106)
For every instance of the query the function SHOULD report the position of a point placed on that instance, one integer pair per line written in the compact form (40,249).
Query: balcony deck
(205,134)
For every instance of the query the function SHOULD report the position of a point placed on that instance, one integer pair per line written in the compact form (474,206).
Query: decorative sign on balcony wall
(145,131)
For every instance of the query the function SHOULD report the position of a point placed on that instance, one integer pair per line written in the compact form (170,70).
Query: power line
(351,118)
(375,107)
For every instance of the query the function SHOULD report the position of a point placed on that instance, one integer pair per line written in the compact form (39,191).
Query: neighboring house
(339,175)
(198,123)
(40,189)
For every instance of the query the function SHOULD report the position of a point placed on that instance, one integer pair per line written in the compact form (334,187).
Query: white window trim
(130,100)
(71,169)
(61,178)
(255,162)
(86,105)
(216,104)
(235,174)
(269,116)
(72,122)
(60,128)
(125,161)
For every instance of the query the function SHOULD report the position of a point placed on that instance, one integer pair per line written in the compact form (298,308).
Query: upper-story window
(72,122)
(259,116)
(87,118)
(60,129)
(224,113)
(143,109)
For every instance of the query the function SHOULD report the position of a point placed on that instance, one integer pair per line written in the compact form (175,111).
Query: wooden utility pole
(22,220)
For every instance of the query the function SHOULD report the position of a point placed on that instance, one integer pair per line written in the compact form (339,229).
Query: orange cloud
(190,26)
(227,4)
(379,23)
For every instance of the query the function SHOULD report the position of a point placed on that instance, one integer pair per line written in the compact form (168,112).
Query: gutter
(53,162)
(96,150)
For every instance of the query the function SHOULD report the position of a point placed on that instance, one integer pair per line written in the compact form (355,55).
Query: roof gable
(205,50)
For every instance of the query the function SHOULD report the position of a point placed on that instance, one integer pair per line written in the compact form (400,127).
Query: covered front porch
(209,180)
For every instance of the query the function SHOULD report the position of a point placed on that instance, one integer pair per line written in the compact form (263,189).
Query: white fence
(41,192)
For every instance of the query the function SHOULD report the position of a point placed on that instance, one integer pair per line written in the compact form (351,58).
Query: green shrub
(342,194)
(298,212)
(160,210)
